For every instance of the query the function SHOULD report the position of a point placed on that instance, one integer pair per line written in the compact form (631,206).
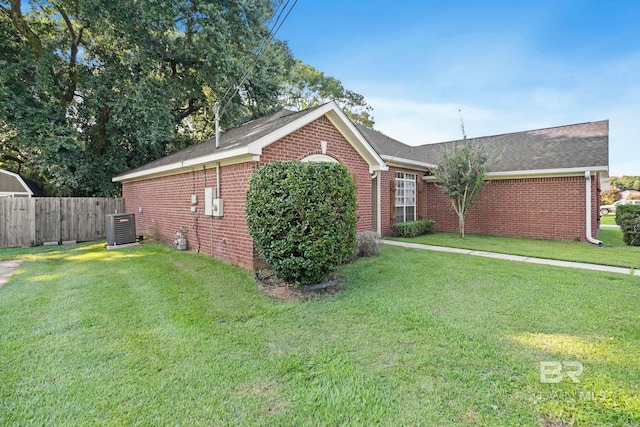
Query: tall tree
(610,196)
(462,167)
(307,87)
(625,182)
(89,89)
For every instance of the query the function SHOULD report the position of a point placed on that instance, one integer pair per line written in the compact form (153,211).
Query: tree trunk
(461,225)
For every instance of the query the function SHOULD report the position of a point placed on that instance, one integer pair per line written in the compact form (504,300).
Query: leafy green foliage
(625,182)
(608,197)
(413,228)
(307,87)
(302,218)
(628,218)
(90,89)
(461,170)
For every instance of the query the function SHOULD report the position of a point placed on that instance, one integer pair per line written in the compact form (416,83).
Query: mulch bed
(280,289)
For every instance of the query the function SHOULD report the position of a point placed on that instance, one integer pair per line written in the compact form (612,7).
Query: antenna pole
(464,134)
(217,124)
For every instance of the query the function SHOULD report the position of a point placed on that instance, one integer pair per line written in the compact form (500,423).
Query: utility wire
(261,43)
(262,48)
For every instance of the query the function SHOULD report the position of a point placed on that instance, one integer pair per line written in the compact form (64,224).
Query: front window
(405,197)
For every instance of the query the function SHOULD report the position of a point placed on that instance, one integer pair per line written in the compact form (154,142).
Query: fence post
(31,215)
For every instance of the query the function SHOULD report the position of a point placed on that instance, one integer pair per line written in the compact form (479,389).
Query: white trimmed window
(405,197)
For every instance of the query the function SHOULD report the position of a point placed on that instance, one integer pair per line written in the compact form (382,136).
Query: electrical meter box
(213,205)
(217,207)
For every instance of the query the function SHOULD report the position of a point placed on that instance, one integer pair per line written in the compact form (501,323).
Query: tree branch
(19,23)
(75,40)
(192,107)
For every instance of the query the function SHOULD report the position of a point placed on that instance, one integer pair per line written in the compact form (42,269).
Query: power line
(262,48)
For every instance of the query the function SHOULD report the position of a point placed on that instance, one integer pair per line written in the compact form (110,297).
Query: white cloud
(416,123)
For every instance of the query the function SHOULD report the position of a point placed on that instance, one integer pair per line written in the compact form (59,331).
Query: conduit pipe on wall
(218,180)
(587,176)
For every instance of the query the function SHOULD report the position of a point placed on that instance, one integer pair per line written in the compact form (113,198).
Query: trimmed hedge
(628,218)
(302,218)
(413,228)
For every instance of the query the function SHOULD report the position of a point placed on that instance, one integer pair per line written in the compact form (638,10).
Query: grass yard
(152,336)
(614,252)
(608,219)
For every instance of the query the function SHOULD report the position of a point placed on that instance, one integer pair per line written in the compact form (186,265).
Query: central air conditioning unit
(121,229)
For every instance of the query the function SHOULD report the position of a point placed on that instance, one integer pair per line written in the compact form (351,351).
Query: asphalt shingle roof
(234,138)
(387,146)
(562,147)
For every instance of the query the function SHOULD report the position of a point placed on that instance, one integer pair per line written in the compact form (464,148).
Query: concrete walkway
(495,255)
(7,268)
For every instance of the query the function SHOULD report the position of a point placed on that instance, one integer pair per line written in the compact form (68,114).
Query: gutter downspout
(587,176)
(378,223)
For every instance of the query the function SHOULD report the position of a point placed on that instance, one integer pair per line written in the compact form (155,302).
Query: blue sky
(508,65)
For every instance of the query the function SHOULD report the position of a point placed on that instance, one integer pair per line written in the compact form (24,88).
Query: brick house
(540,183)
(527,195)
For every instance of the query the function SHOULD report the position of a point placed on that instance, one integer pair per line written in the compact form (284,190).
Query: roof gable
(246,142)
(12,184)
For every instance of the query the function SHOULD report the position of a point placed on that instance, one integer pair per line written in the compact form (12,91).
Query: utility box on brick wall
(213,205)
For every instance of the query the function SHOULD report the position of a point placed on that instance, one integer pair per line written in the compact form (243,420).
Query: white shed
(13,185)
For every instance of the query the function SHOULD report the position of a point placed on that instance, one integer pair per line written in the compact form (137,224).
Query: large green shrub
(413,228)
(302,218)
(628,218)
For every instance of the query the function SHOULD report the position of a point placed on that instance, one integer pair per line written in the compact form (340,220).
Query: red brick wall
(306,141)
(166,204)
(166,201)
(538,208)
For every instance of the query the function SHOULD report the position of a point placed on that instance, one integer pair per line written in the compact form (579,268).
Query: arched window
(319,158)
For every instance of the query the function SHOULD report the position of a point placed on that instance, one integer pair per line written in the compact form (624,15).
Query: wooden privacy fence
(33,221)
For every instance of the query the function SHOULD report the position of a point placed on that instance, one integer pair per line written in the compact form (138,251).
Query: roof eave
(227,158)
(14,194)
(344,125)
(253,150)
(537,173)
(407,163)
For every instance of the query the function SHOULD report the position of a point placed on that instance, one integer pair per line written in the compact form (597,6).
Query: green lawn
(152,336)
(614,252)
(609,219)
